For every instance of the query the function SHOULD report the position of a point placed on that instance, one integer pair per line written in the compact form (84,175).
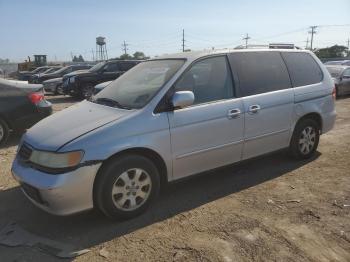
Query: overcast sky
(57,28)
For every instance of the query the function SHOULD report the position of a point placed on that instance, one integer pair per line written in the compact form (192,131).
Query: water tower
(101,50)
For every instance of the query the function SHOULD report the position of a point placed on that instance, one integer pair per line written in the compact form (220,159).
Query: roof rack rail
(269,46)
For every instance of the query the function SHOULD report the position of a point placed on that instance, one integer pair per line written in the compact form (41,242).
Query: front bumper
(69,88)
(61,194)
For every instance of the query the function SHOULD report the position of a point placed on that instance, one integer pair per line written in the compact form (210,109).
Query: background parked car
(341,77)
(25,75)
(81,84)
(59,73)
(52,85)
(21,106)
(100,87)
(342,62)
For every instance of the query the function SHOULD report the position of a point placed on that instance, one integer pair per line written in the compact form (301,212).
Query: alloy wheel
(131,189)
(307,140)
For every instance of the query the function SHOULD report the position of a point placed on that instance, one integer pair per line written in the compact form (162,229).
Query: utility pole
(183,40)
(348,42)
(307,43)
(92,52)
(71,55)
(246,38)
(125,47)
(312,32)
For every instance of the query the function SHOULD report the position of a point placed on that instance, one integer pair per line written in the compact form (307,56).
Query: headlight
(72,79)
(56,160)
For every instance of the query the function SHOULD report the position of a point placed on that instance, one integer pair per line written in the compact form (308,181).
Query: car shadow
(60,99)
(91,228)
(13,140)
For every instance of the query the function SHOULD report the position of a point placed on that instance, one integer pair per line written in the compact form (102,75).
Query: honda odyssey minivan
(173,117)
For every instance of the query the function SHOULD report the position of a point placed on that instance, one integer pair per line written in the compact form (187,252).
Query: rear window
(303,69)
(260,72)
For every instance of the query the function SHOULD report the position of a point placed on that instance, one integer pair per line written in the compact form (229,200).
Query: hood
(102,85)
(53,80)
(77,72)
(82,73)
(49,76)
(62,127)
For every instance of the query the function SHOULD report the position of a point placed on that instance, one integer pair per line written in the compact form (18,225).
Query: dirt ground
(267,209)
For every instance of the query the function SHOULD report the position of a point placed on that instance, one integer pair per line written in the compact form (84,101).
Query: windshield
(63,69)
(335,71)
(37,70)
(97,67)
(136,88)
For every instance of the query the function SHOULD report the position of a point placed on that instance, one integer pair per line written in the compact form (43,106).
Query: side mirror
(182,99)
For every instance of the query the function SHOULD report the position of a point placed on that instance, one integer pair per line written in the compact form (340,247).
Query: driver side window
(209,79)
(111,68)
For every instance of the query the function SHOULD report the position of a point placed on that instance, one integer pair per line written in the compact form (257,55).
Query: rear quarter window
(303,68)
(260,72)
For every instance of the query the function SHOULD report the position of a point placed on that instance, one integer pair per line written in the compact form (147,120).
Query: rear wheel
(305,139)
(126,186)
(4,132)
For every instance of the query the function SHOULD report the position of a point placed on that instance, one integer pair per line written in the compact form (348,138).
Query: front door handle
(233,113)
(253,109)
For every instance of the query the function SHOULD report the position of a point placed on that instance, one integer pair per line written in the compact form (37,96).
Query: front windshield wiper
(109,102)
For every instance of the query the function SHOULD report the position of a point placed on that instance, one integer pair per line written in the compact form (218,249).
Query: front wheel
(126,186)
(305,139)
(87,91)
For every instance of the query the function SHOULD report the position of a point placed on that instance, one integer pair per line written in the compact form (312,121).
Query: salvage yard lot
(271,208)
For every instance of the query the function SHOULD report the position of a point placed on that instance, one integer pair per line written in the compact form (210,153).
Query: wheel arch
(141,151)
(6,120)
(314,116)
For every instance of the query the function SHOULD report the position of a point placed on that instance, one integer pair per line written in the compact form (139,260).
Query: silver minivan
(173,117)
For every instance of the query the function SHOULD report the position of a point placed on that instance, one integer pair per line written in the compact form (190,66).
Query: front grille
(33,193)
(25,152)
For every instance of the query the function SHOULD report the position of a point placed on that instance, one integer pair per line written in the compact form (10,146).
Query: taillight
(35,98)
(334,93)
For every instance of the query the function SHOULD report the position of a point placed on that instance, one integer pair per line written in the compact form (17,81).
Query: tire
(58,90)
(305,139)
(87,91)
(4,132)
(126,186)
